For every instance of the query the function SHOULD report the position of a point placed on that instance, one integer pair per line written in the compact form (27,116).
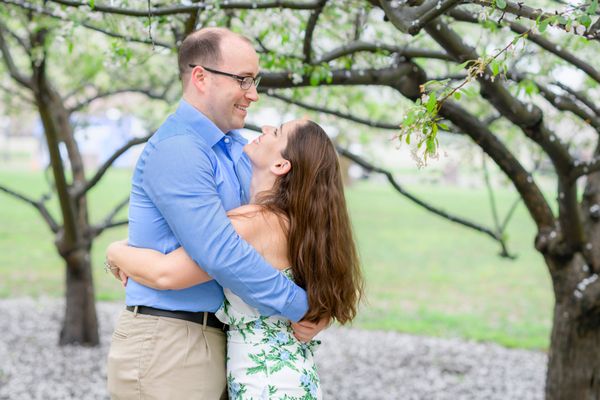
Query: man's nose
(252,93)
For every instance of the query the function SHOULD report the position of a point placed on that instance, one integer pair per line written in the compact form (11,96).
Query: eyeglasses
(245,81)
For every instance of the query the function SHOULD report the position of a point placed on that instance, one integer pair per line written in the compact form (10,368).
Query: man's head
(207,60)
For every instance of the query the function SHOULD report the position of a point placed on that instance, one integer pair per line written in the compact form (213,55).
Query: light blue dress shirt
(186,178)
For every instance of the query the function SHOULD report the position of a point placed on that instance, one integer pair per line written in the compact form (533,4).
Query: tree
(31,53)
(486,69)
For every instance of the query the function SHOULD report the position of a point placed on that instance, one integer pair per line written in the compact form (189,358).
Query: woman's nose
(266,129)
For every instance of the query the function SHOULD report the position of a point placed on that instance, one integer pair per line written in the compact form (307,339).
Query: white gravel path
(353,364)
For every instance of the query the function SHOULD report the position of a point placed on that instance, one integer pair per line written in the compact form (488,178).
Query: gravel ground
(353,364)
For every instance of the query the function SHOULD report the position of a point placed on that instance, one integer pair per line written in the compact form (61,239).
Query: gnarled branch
(104,167)
(38,205)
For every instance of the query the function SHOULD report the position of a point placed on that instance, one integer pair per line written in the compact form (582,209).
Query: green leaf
(315,78)
(407,139)
(92,3)
(495,65)
(430,146)
(585,20)
(431,103)
(501,4)
(457,95)
(465,64)
(543,25)
(491,25)
(593,7)
(443,126)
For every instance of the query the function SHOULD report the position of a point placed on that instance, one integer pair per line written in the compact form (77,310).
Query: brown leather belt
(197,317)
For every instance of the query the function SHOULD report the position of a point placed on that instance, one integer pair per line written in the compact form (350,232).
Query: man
(169,344)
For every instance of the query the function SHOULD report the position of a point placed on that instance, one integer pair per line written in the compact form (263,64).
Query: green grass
(425,275)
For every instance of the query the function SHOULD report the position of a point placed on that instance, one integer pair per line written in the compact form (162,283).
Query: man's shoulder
(175,131)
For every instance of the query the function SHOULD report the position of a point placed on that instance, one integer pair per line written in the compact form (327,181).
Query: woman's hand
(304,331)
(123,277)
(110,265)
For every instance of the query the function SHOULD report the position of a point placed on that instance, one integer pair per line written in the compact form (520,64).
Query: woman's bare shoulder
(254,219)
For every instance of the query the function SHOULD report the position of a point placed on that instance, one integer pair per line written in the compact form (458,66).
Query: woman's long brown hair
(321,247)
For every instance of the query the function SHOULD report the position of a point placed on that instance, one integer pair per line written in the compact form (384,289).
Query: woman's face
(265,151)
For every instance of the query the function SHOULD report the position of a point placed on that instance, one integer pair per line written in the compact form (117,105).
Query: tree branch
(480,133)
(579,96)
(349,117)
(44,11)
(403,51)
(370,76)
(186,9)
(38,205)
(104,167)
(17,94)
(464,16)
(310,29)
(10,64)
(411,19)
(529,118)
(147,92)
(435,210)
(108,220)
(520,10)
(564,103)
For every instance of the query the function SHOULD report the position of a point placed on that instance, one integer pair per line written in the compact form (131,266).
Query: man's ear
(198,78)
(281,167)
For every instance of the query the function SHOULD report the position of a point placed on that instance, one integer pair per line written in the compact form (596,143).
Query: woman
(299,223)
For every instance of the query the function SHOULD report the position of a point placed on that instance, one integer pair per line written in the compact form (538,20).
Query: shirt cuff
(297,307)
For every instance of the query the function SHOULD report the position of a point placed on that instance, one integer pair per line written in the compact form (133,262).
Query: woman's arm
(175,270)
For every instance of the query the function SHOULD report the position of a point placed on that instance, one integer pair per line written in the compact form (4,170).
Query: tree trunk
(73,243)
(80,324)
(574,354)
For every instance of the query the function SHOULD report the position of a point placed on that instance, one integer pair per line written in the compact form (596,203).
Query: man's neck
(200,106)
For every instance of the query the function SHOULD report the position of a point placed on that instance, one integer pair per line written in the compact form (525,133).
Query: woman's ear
(281,167)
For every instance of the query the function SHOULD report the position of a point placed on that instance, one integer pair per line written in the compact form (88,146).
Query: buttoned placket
(227,140)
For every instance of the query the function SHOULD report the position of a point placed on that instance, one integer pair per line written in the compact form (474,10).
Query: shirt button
(226,140)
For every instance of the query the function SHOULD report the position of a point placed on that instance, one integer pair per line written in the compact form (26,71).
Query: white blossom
(581,286)
(585,268)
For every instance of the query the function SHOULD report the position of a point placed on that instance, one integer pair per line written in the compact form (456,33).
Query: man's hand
(304,331)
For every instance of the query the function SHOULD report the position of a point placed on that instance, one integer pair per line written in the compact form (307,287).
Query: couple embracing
(238,253)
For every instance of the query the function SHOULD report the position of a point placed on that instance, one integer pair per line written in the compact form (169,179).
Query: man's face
(228,102)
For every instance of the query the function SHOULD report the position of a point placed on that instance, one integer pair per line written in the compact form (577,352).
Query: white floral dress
(264,359)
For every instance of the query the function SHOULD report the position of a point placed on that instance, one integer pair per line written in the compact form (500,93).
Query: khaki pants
(165,358)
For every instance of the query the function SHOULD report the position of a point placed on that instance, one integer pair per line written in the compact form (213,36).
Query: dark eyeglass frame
(245,81)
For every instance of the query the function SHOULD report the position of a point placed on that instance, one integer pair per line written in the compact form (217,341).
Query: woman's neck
(261,181)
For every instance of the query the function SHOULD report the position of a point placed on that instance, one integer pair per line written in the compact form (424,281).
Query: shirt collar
(203,126)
